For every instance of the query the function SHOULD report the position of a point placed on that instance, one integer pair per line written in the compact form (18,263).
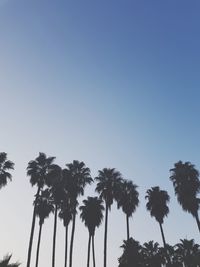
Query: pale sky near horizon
(111,83)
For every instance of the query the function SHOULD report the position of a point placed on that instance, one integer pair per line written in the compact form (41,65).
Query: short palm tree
(92,216)
(76,177)
(186,184)
(157,206)
(37,170)
(188,252)
(5,262)
(132,254)
(108,182)
(5,166)
(44,207)
(152,254)
(128,200)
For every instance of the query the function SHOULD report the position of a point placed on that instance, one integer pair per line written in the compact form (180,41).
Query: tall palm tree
(186,184)
(65,214)
(76,176)
(5,262)
(55,182)
(5,166)
(128,200)
(157,206)
(92,216)
(44,207)
(37,170)
(108,182)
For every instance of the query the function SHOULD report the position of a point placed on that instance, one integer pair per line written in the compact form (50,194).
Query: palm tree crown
(92,213)
(157,203)
(5,166)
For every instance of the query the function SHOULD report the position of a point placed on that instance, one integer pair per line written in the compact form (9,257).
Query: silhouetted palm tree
(152,254)
(128,200)
(132,254)
(108,182)
(5,262)
(65,213)
(188,252)
(186,184)
(37,170)
(56,185)
(157,206)
(92,216)
(5,166)
(44,207)
(76,176)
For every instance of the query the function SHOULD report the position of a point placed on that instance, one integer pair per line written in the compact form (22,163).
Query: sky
(111,83)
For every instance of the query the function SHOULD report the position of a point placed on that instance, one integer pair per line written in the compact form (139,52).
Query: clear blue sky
(113,83)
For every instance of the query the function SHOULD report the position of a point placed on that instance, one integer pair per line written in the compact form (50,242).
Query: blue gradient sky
(113,83)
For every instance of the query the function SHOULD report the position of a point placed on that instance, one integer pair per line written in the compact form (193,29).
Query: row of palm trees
(58,191)
(150,254)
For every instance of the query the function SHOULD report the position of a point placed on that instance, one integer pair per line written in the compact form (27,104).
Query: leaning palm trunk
(105,236)
(54,236)
(38,246)
(93,251)
(197,220)
(127,224)
(88,258)
(32,230)
(165,246)
(72,239)
(66,243)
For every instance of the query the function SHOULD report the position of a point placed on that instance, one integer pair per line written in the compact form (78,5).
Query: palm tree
(5,167)
(152,254)
(157,206)
(108,182)
(76,176)
(186,184)
(128,200)
(132,254)
(55,182)
(65,214)
(44,207)
(92,216)
(188,252)
(5,262)
(37,170)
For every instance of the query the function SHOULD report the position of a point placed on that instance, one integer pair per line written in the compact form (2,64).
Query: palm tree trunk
(88,258)
(197,220)
(32,231)
(105,236)
(72,239)
(38,245)
(127,223)
(66,243)
(93,252)
(162,233)
(54,236)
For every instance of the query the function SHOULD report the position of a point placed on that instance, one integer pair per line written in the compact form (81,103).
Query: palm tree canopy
(186,184)
(157,203)
(5,262)
(76,176)
(92,213)
(5,166)
(44,206)
(108,182)
(66,210)
(38,169)
(127,197)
